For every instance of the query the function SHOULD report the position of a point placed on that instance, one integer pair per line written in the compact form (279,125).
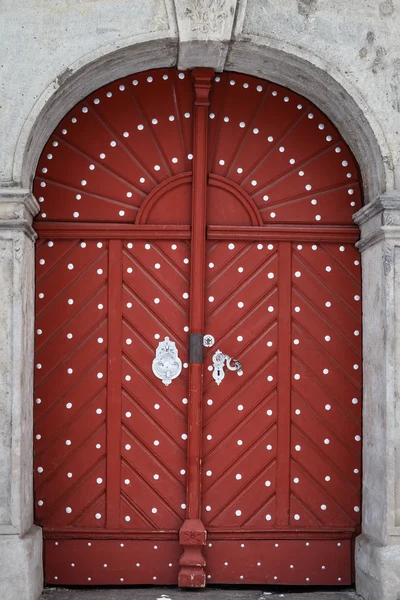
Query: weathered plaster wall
(344,56)
(43,44)
(358,43)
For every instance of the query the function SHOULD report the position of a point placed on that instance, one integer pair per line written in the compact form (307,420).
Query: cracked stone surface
(150,593)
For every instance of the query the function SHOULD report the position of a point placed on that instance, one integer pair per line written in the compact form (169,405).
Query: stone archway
(379,221)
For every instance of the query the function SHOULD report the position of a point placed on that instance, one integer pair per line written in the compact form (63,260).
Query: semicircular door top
(198,347)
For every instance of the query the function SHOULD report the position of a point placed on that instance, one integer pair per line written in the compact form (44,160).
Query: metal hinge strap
(196,348)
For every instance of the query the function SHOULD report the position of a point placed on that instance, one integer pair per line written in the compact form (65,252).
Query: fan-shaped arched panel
(120,143)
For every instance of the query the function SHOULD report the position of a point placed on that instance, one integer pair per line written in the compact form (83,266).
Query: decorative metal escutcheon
(220,360)
(167,365)
(208,340)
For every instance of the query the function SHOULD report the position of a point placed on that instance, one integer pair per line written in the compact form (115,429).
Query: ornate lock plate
(167,365)
(220,360)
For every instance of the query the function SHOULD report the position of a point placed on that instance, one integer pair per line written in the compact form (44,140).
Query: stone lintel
(205,31)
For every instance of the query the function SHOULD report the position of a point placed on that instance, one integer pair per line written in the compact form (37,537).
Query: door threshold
(209,593)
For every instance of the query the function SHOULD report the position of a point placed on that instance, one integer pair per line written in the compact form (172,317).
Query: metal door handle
(167,365)
(220,360)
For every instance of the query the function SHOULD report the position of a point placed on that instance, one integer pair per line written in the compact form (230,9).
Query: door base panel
(141,562)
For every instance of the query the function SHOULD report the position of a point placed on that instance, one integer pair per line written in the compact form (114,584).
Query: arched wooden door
(214,211)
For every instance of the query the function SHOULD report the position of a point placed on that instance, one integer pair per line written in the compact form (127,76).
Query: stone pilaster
(378,548)
(20,540)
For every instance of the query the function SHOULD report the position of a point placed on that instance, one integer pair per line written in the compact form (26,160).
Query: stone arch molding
(212,39)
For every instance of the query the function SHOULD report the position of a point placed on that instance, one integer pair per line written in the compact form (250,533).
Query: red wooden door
(222,210)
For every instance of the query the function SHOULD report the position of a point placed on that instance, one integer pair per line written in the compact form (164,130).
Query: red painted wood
(114,383)
(158,218)
(285,232)
(112,231)
(284,379)
(192,534)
